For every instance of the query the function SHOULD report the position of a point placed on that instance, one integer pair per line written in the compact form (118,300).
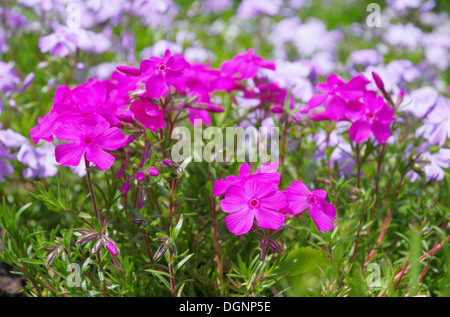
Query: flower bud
(111,247)
(129,70)
(153,171)
(378,81)
(97,246)
(140,176)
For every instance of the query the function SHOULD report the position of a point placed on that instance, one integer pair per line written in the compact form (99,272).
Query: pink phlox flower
(375,120)
(100,97)
(341,99)
(148,114)
(221,186)
(252,200)
(245,65)
(90,138)
(159,74)
(301,198)
(269,94)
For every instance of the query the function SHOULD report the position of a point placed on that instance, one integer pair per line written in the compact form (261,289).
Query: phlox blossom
(300,198)
(263,174)
(148,114)
(90,140)
(374,120)
(160,73)
(245,65)
(340,98)
(253,200)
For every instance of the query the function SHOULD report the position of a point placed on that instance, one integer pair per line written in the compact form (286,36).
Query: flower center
(162,67)
(88,140)
(312,200)
(253,203)
(371,116)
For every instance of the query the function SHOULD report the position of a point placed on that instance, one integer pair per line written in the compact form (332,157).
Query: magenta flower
(160,73)
(140,176)
(253,199)
(111,247)
(148,114)
(90,140)
(340,98)
(300,198)
(375,120)
(221,186)
(245,65)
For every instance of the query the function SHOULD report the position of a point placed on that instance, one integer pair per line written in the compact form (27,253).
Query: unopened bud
(378,81)
(129,70)
(97,246)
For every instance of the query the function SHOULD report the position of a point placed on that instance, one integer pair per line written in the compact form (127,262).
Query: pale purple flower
(366,57)
(160,47)
(341,157)
(6,169)
(421,101)
(434,165)
(40,161)
(216,6)
(251,8)
(9,80)
(437,124)
(155,13)
(60,43)
(407,36)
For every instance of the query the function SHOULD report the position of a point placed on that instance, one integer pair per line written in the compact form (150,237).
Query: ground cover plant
(225,148)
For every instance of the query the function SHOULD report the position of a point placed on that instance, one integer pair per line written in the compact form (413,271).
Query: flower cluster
(352,101)
(250,197)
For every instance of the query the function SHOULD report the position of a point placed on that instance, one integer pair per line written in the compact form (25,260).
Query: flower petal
(328,209)
(322,222)
(111,139)
(359,131)
(156,87)
(235,199)
(269,219)
(381,131)
(276,201)
(69,154)
(99,157)
(220,187)
(298,188)
(319,193)
(240,222)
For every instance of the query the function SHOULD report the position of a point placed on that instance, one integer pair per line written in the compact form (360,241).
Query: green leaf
(306,260)
(31,261)
(177,229)
(181,263)
(303,267)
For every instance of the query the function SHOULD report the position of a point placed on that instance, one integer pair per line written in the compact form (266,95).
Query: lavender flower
(251,8)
